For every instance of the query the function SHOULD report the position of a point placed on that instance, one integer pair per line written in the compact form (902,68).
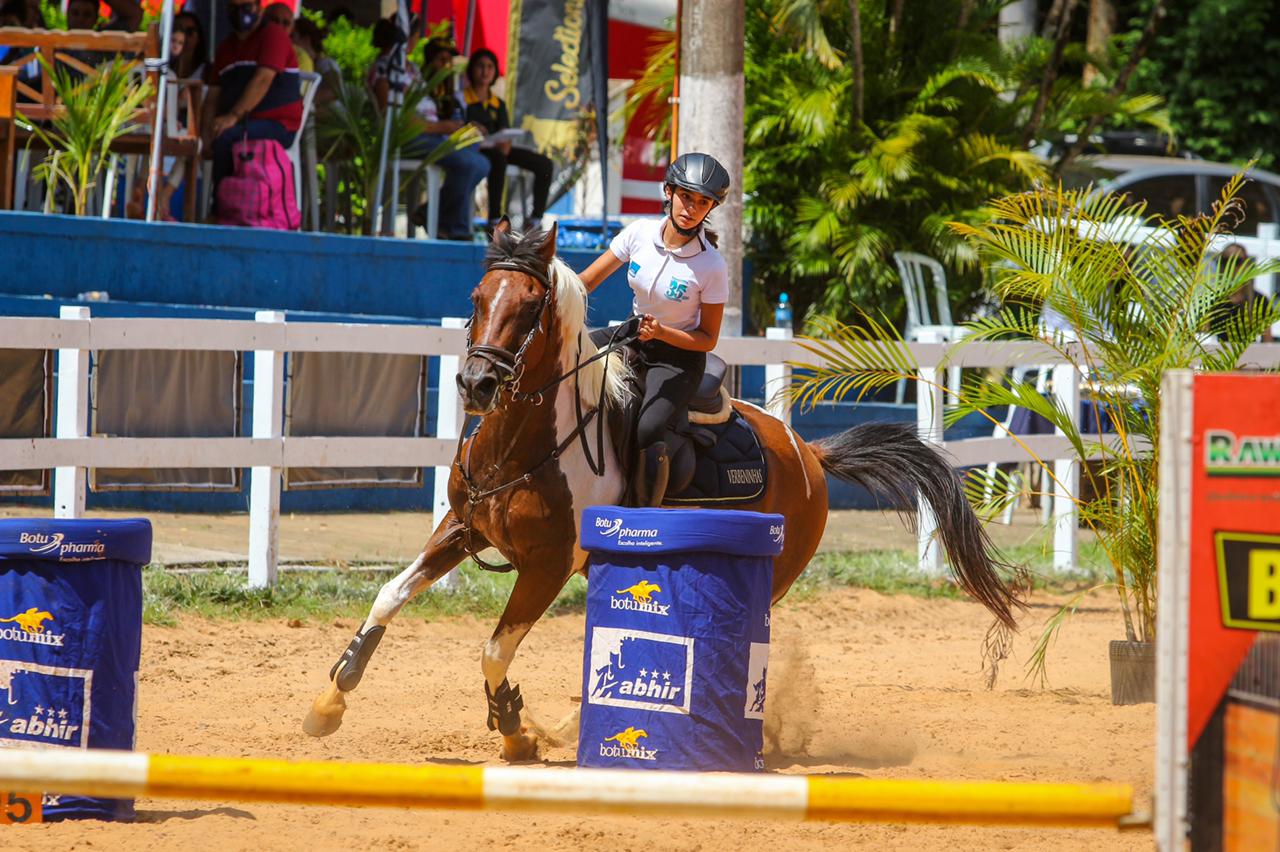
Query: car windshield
(1082,173)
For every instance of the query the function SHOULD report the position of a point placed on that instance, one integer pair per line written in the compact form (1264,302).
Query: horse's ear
(547,248)
(504,225)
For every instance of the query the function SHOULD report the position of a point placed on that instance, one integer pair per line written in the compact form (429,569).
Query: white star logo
(643,673)
(667,675)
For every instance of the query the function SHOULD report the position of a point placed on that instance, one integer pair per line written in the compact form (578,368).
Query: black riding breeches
(671,378)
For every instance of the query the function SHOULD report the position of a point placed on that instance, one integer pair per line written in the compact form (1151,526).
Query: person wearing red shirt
(254,88)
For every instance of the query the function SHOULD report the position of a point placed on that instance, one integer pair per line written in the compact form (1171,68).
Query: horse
(520,480)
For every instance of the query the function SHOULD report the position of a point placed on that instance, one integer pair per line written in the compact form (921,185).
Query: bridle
(510,367)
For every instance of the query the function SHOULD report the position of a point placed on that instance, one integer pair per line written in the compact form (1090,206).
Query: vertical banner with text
(550,77)
(1218,675)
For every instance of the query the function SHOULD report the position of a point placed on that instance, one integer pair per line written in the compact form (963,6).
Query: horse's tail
(888,458)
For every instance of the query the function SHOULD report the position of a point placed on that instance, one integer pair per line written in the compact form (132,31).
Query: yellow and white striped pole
(131,774)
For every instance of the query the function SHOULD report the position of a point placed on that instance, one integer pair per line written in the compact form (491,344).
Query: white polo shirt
(671,285)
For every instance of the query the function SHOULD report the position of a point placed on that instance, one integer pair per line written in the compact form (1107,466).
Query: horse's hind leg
(535,589)
(443,551)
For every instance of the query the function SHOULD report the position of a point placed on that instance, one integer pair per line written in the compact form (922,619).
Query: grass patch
(322,595)
(224,594)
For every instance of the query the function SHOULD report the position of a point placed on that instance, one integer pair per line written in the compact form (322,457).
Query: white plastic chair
(913,269)
(309,84)
(435,179)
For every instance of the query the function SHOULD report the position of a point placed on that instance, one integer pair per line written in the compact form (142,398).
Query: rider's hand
(650,328)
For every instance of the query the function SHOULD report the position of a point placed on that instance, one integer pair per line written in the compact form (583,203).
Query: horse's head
(512,316)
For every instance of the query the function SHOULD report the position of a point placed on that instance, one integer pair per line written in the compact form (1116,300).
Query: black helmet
(700,173)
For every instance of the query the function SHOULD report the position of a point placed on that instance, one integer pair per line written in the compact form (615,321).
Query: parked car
(1173,186)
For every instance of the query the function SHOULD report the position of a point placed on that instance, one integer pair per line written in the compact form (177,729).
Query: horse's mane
(571,311)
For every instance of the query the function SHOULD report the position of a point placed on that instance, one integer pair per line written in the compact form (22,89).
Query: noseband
(509,365)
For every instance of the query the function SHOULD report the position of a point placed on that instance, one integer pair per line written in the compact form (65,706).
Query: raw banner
(1218,677)
(550,82)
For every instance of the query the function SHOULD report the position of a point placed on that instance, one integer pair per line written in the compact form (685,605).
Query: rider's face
(688,209)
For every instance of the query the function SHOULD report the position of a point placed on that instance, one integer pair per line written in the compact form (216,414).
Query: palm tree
(1131,297)
(96,110)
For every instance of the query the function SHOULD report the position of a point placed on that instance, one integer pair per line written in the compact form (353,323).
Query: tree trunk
(711,116)
(895,20)
(859,81)
(1050,73)
(1102,23)
(966,12)
(1121,83)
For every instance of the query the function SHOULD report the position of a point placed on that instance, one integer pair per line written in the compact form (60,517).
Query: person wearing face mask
(254,88)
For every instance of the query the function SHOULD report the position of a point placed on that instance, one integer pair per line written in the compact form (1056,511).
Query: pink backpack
(260,192)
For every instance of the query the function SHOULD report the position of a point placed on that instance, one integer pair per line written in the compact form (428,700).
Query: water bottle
(782,313)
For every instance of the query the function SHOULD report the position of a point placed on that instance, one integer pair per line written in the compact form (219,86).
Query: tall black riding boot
(655,467)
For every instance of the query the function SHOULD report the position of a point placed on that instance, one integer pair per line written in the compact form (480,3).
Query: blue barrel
(677,642)
(70,641)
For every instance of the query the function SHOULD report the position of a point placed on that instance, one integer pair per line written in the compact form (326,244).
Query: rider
(680,283)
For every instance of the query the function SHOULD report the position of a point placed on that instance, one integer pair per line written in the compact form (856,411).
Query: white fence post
(73,420)
(449,419)
(264,482)
(776,379)
(929,408)
(1268,234)
(1066,390)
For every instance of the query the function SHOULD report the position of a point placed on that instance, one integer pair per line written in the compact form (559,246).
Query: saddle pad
(732,470)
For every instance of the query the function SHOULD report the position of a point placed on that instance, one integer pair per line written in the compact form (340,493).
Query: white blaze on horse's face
(509,306)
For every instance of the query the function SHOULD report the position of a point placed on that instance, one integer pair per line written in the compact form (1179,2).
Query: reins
(511,366)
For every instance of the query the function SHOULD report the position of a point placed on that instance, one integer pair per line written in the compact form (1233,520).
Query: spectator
(193,62)
(281,15)
(487,111)
(253,87)
(126,15)
(308,38)
(438,115)
(1225,319)
(22,13)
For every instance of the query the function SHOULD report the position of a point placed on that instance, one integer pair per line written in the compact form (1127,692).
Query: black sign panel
(1249,580)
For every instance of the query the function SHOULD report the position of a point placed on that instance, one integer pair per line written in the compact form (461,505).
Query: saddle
(716,459)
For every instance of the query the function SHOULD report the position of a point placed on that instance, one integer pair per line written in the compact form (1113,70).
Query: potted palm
(1121,297)
(96,110)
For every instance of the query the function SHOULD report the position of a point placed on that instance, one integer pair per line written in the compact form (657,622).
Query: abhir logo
(646,671)
(640,599)
(627,744)
(30,628)
(43,544)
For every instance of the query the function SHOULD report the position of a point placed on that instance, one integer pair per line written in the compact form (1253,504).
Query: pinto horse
(520,481)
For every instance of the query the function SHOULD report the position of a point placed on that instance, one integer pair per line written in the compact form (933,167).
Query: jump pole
(795,797)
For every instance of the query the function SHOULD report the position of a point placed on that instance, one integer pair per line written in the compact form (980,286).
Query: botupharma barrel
(677,642)
(70,640)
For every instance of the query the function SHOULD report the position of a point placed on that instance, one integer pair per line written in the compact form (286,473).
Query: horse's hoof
(520,747)
(325,715)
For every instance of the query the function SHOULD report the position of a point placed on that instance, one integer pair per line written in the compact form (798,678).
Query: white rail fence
(268,451)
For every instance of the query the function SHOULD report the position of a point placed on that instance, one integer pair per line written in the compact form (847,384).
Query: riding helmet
(700,173)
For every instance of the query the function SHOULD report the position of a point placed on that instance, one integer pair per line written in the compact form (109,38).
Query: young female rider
(680,284)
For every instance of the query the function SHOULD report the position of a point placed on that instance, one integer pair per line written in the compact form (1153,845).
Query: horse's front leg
(537,585)
(443,551)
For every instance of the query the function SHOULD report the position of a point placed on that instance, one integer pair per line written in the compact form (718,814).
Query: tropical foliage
(1123,299)
(1211,62)
(868,134)
(351,134)
(97,110)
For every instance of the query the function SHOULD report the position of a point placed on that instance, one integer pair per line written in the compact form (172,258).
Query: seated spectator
(23,13)
(1223,322)
(253,87)
(308,38)
(281,15)
(438,115)
(488,111)
(126,15)
(192,63)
